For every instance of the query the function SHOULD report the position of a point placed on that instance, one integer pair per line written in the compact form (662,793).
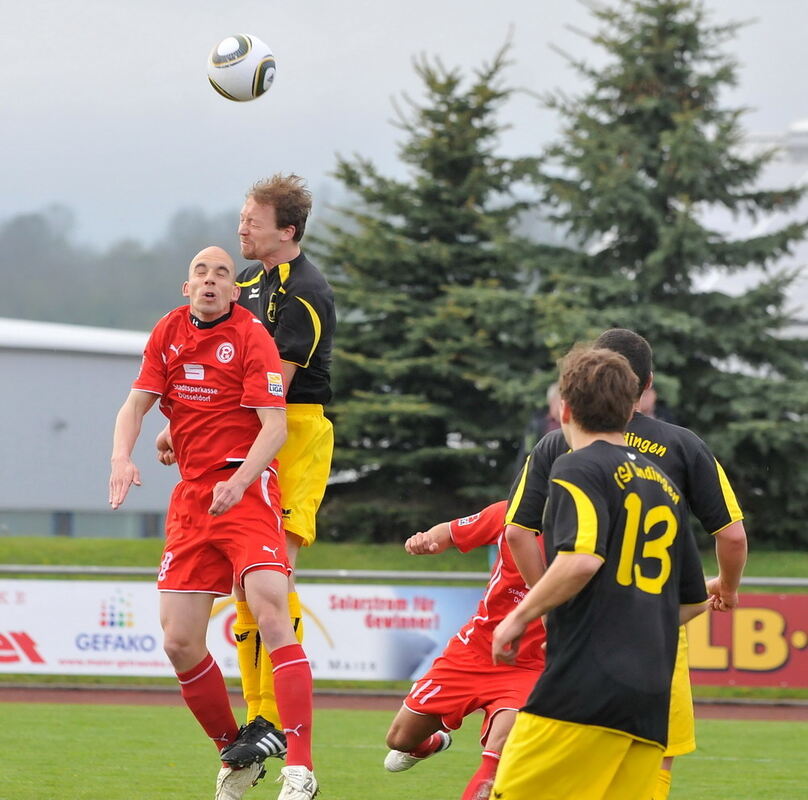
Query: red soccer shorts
(462,680)
(203,552)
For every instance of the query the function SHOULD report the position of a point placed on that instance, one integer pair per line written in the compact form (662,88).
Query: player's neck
(578,438)
(283,256)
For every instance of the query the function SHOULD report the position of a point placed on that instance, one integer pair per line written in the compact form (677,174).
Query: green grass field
(107,752)
(326,555)
(146,553)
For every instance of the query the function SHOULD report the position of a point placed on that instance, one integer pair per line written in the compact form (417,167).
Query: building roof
(24,334)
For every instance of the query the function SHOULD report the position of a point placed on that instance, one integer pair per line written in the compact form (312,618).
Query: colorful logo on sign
(116,612)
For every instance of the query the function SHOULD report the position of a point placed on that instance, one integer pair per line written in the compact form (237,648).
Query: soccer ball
(241,67)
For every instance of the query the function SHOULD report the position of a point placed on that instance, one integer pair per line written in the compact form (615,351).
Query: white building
(62,386)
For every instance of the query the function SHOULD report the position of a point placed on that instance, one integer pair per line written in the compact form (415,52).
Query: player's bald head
(213,256)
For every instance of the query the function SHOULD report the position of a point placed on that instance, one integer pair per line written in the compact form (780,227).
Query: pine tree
(437,347)
(648,159)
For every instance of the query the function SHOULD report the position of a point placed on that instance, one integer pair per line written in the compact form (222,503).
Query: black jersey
(296,305)
(684,457)
(611,648)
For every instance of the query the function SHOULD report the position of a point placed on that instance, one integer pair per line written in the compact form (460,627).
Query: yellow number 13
(628,571)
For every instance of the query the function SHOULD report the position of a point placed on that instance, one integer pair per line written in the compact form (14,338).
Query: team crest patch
(468,520)
(275,383)
(225,352)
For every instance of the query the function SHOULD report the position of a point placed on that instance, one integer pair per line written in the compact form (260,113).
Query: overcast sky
(106,106)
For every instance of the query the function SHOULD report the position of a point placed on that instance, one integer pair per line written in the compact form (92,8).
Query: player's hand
(165,447)
(124,474)
(225,495)
(506,640)
(421,544)
(720,597)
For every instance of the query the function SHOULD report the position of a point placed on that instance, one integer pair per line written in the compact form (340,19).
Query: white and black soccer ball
(241,67)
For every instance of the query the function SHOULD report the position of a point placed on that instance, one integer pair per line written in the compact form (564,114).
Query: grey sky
(106,106)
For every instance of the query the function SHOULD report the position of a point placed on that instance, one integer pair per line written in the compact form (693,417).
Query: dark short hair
(290,198)
(599,387)
(634,348)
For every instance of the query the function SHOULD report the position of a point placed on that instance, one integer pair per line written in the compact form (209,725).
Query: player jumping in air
(296,305)
(218,377)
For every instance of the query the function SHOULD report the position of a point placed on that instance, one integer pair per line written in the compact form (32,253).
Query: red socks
(427,747)
(479,787)
(293,690)
(205,694)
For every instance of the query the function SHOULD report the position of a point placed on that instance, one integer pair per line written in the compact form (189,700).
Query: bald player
(218,376)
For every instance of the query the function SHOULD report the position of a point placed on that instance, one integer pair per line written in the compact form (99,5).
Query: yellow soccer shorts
(681,723)
(567,760)
(304,464)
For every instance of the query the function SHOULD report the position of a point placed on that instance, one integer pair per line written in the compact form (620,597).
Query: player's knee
(183,652)
(393,741)
(275,626)
(397,738)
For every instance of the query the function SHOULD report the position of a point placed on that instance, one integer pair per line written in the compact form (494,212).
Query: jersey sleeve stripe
(586,538)
(250,282)
(513,506)
(733,509)
(318,328)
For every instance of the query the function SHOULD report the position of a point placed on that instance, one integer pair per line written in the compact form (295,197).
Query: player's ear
(564,413)
(236,293)
(186,289)
(649,382)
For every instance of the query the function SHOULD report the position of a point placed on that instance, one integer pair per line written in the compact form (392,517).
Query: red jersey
(505,589)
(210,380)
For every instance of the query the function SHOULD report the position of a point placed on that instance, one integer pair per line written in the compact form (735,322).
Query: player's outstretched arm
(265,447)
(567,575)
(431,542)
(123,471)
(730,552)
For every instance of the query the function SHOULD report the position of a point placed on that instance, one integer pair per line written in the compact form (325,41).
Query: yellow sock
(296,613)
(663,785)
(248,651)
(269,706)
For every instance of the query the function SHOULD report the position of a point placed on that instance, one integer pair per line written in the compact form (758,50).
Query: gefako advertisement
(352,631)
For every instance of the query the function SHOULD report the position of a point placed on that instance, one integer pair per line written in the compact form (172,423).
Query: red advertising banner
(763,642)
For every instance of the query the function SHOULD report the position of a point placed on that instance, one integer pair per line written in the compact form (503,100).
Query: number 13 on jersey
(628,570)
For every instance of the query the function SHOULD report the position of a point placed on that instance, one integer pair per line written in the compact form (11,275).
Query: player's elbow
(733,535)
